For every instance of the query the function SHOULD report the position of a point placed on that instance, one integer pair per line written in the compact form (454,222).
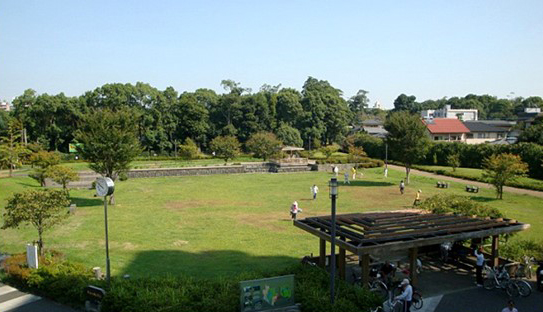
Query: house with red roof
(446,129)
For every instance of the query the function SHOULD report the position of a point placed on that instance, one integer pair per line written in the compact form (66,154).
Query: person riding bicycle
(406,296)
(387,271)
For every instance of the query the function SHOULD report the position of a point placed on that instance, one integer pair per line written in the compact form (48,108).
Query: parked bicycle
(376,284)
(525,268)
(499,278)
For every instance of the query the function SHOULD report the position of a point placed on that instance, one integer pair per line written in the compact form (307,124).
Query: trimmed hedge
(457,204)
(365,162)
(64,281)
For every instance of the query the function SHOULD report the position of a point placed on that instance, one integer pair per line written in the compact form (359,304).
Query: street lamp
(105,187)
(333,186)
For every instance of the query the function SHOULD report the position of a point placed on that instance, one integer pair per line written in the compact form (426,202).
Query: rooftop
(446,125)
(478,126)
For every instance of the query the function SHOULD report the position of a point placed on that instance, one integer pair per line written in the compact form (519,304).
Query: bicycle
(525,268)
(375,285)
(499,278)
(416,298)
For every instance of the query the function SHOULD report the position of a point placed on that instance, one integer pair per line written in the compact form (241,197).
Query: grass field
(220,225)
(473,173)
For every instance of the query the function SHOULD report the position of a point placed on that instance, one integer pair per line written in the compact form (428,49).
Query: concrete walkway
(510,189)
(13,300)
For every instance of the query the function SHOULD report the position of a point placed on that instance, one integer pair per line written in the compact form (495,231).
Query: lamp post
(386,159)
(105,187)
(333,185)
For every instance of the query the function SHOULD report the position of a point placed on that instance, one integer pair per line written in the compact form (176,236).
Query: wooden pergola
(380,233)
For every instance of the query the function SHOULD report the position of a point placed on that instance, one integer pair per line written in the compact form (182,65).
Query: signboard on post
(267,294)
(32,256)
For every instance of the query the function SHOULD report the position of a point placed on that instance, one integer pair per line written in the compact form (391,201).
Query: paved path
(13,300)
(510,189)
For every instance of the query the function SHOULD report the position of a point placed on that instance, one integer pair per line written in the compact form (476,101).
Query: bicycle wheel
(417,301)
(379,288)
(489,283)
(524,288)
(512,289)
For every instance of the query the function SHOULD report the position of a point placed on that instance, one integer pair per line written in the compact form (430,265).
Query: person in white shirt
(510,307)
(406,295)
(314,190)
(294,210)
(479,266)
(336,170)
(346,178)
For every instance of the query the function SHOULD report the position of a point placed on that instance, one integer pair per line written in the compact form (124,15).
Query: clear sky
(430,49)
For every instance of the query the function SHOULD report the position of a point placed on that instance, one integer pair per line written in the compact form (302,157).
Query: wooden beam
(321,234)
(342,264)
(383,249)
(365,266)
(494,253)
(413,266)
(322,253)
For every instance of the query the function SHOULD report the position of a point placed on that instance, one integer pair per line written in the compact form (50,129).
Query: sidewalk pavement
(13,300)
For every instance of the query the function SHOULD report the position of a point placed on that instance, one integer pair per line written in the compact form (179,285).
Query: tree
(264,145)
(289,135)
(109,141)
(358,103)
(329,150)
(225,147)
(405,103)
(62,175)
(356,154)
(189,150)
(453,160)
(11,150)
(43,160)
(502,168)
(407,138)
(42,209)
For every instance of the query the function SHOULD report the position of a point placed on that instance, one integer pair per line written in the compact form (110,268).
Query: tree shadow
(366,183)
(28,184)
(483,199)
(205,264)
(86,202)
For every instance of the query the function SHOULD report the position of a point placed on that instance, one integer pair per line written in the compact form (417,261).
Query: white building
(5,106)
(448,112)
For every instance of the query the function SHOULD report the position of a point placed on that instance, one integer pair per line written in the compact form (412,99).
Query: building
(483,132)
(528,116)
(446,129)
(5,106)
(448,112)
(374,127)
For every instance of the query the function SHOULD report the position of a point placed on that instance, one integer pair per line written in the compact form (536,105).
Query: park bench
(472,189)
(440,184)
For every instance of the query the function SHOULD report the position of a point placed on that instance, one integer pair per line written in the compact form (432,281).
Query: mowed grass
(221,225)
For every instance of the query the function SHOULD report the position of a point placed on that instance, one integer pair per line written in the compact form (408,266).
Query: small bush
(123,176)
(517,248)
(463,205)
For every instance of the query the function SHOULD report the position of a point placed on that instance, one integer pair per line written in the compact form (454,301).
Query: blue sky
(430,49)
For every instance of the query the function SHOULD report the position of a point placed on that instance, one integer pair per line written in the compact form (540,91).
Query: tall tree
(225,147)
(11,150)
(502,168)
(405,103)
(264,145)
(289,107)
(42,209)
(358,103)
(193,119)
(109,141)
(407,138)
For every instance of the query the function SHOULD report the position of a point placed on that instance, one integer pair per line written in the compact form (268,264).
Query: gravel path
(469,182)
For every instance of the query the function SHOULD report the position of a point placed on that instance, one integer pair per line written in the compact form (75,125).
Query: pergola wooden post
(342,262)
(322,253)
(413,266)
(494,254)
(365,266)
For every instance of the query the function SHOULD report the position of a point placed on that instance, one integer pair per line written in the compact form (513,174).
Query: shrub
(264,145)
(123,176)
(517,248)
(189,150)
(457,204)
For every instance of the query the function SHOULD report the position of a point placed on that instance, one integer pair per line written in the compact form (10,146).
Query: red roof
(446,125)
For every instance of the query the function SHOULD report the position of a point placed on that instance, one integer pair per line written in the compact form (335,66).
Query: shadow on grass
(28,184)
(483,199)
(366,183)
(205,264)
(86,202)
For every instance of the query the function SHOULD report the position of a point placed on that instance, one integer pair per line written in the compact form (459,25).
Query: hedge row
(63,281)
(365,162)
(471,155)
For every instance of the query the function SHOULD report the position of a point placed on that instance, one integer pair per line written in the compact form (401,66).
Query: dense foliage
(457,204)
(264,145)
(499,169)
(64,281)
(41,208)
(225,147)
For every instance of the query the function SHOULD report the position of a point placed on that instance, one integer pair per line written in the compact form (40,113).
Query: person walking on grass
(294,210)
(346,178)
(479,266)
(417,198)
(314,191)
(402,187)
(336,170)
(510,307)
(353,173)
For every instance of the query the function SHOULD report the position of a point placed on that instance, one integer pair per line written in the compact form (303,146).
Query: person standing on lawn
(294,210)
(417,198)
(479,266)
(336,170)
(314,190)
(346,178)
(353,173)
(402,187)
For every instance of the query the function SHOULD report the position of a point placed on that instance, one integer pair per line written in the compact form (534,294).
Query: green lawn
(477,173)
(217,225)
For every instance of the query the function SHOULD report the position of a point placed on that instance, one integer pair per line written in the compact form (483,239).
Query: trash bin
(94,296)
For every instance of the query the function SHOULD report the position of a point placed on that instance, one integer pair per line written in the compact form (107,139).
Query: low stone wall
(185,171)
